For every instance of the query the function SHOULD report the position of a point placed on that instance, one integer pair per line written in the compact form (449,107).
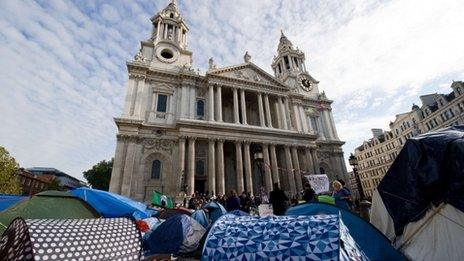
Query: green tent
(326,199)
(48,204)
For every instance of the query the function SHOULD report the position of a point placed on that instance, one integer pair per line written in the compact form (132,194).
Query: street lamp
(354,163)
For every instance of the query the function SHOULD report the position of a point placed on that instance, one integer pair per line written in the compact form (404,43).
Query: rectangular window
(287,64)
(161,105)
(200,108)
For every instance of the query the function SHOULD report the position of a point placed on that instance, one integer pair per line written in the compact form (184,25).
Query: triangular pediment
(248,72)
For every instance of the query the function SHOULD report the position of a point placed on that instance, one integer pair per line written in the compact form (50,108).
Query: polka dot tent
(71,239)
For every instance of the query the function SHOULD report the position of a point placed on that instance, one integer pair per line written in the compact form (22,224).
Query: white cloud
(62,72)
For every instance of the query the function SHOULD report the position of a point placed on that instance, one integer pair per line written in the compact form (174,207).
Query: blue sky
(63,74)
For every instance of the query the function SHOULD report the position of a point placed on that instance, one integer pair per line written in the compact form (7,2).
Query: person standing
(341,195)
(232,202)
(309,195)
(279,200)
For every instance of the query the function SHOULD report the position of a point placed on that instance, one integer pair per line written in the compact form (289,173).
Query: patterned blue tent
(319,237)
(372,241)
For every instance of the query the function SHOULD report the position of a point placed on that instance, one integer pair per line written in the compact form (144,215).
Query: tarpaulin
(428,171)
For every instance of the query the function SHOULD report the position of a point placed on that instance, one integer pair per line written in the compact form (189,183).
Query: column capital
(238,140)
(192,137)
(212,139)
(247,142)
(220,140)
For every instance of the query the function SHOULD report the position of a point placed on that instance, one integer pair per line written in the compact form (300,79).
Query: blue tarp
(321,237)
(429,170)
(200,216)
(372,241)
(111,205)
(7,200)
(215,209)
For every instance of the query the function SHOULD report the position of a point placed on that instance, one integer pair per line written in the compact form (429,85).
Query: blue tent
(7,200)
(111,205)
(238,212)
(216,210)
(321,237)
(372,241)
(200,216)
(178,234)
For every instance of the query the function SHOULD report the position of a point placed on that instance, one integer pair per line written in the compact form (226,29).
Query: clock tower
(289,67)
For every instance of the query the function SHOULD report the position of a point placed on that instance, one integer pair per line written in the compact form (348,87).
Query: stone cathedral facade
(236,127)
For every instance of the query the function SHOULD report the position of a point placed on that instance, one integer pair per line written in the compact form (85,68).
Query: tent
(370,239)
(178,234)
(216,210)
(71,239)
(419,203)
(48,204)
(111,205)
(170,212)
(7,200)
(320,237)
(200,217)
(238,213)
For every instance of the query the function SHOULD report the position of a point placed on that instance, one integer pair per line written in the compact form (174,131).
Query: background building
(66,181)
(236,127)
(437,111)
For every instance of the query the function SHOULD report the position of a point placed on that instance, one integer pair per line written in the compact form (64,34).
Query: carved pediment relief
(247,72)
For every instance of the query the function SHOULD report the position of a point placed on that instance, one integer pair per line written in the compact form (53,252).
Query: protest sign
(320,182)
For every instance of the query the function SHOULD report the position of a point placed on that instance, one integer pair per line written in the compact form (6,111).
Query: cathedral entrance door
(200,185)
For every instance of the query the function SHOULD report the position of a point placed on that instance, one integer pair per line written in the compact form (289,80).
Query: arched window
(200,168)
(321,170)
(200,108)
(156,169)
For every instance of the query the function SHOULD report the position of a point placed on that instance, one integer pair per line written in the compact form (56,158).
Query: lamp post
(354,163)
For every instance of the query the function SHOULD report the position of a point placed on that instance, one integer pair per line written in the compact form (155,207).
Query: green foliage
(9,183)
(99,175)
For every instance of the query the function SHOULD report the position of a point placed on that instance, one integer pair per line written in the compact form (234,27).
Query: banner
(320,182)
(265,210)
(161,200)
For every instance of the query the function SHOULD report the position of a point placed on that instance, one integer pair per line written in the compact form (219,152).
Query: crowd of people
(279,200)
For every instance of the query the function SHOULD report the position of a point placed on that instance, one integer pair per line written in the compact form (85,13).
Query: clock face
(305,83)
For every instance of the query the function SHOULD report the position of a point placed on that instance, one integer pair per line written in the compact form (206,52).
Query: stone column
(287,114)
(211,167)
(221,187)
(219,104)
(131,96)
(296,112)
(283,113)
(128,169)
(275,168)
(158,29)
(211,103)
(191,167)
(332,122)
(304,119)
(268,110)
(242,98)
(118,165)
(182,161)
(236,113)
(142,97)
(315,161)
(290,175)
(248,177)
(267,168)
(192,102)
(261,110)
(278,113)
(322,129)
(184,103)
(327,125)
(296,167)
(239,166)
(309,160)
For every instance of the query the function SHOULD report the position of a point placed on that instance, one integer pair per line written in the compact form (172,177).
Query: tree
(9,183)
(99,175)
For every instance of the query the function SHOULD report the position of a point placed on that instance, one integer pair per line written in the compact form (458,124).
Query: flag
(161,200)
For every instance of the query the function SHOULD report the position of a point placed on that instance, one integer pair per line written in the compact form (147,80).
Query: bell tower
(289,67)
(167,46)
